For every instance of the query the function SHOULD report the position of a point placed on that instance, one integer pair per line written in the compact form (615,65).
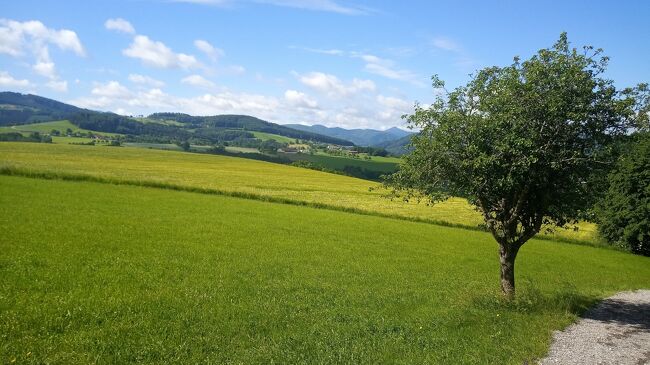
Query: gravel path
(616,331)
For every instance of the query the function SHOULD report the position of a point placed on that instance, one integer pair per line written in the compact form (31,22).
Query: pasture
(47,127)
(381,164)
(268,136)
(99,273)
(236,175)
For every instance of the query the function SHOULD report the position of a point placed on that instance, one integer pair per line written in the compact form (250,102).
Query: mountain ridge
(360,136)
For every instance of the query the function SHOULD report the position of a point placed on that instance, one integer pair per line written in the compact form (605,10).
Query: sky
(352,64)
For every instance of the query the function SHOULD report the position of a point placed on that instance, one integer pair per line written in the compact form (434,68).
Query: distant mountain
(397,147)
(362,137)
(16,108)
(251,124)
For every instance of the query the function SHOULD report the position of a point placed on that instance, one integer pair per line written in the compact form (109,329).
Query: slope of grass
(267,136)
(113,274)
(46,127)
(237,175)
(339,162)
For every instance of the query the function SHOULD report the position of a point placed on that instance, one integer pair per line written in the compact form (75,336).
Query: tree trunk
(507,255)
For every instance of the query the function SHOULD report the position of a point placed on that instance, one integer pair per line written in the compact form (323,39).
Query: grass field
(266,136)
(237,175)
(70,140)
(158,146)
(235,149)
(47,127)
(339,162)
(98,273)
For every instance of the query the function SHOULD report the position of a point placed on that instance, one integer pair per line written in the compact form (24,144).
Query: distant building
(288,150)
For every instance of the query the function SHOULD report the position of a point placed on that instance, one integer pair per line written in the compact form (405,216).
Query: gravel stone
(616,331)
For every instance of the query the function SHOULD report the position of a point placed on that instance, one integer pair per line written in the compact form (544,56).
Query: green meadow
(47,127)
(381,164)
(241,176)
(268,136)
(100,273)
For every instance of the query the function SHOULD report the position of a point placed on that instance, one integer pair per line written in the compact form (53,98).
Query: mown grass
(237,175)
(98,273)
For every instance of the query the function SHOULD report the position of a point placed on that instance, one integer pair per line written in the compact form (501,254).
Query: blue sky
(354,64)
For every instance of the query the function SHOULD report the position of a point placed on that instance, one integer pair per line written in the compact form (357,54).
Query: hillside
(248,123)
(397,147)
(239,177)
(361,137)
(16,108)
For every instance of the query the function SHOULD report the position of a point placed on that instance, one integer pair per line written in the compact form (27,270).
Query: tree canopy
(526,144)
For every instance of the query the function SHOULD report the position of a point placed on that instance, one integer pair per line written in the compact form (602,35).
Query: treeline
(623,213)
(114,123)
(246,122)
(18,137)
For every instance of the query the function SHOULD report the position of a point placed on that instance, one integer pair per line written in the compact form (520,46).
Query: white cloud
(15,36)
(157,54)
(463,60)
(331,52)
(120,25)
(315,5)
(18,38)
(235,70)
(300,100)
(333,86)
(354,103)
(386,68)
(111,89)
(211,51)
(374,64)
(58,85)
(198,80)
(45,69)
(145,80)
(446,44)
(393,102)
(8,81)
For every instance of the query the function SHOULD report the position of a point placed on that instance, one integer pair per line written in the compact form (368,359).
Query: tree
(624,213)
(185,145)
(524,143)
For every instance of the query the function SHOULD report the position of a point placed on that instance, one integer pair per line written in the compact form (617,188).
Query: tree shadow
(530,299)
(621,311)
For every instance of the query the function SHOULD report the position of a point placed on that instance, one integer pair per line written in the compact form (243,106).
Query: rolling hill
(248,123)
(16,108)
(239,177)
(361,137)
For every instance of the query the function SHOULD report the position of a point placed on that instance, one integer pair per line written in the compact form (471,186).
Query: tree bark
(507,255)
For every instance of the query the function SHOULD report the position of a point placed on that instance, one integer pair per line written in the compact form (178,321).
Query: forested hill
(246,122)
(16,108)
(397,147)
